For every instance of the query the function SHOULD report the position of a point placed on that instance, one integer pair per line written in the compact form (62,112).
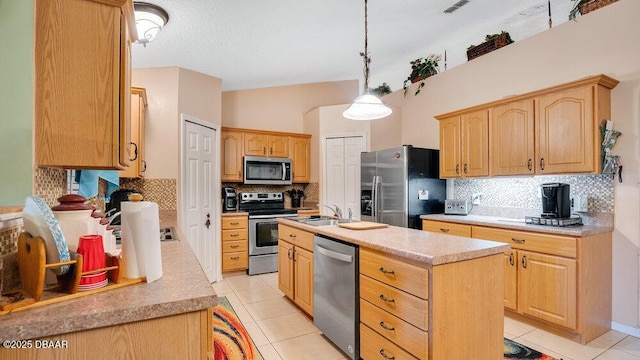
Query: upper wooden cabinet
(231,155)
(237,143)
(300,158)
(550,131)
(511,135)
(138,110)
(262,144)
(464,145)
(83,83)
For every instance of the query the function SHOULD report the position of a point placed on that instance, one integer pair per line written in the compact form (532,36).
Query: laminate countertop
(422,246)
(516,224)
(182,288)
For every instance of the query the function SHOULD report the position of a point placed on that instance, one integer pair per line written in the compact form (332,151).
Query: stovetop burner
(573,220)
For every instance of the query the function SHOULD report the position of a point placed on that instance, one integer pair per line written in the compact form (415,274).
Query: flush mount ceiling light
(366,106)
(150,19)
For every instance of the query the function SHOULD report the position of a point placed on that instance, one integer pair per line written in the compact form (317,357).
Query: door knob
(208,222)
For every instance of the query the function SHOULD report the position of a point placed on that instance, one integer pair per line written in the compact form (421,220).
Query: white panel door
(342,174)
(200,228)
(334,194)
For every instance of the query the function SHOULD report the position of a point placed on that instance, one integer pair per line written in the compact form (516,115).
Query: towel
(88,181)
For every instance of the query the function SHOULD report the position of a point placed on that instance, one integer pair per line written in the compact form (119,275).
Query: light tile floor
(283,332)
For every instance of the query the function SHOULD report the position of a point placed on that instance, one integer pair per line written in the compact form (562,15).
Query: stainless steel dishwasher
(336,310)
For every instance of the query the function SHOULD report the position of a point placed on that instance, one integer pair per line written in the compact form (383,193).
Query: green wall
(16,100)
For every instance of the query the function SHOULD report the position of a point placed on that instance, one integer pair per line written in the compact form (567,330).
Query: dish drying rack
(32,266)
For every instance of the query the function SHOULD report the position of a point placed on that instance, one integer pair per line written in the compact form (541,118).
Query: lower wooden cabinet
(295,266)
(235,246)
(446,228)
(557,280)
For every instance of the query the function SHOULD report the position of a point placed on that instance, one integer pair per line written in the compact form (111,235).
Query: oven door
(263,234)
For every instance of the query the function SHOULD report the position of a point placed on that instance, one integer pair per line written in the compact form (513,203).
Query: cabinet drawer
(373,346)
(235,246)
(446,228)
(235,222)
(408,337)
(296,237)
(405,306)
(395,272)
(235,261)
(235,234)
(543,243)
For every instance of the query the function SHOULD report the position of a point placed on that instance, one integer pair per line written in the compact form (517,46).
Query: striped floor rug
(231,341)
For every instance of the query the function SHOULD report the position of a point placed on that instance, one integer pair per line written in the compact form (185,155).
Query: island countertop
(422,246)
(182,288)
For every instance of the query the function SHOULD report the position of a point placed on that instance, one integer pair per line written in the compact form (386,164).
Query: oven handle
(271,216)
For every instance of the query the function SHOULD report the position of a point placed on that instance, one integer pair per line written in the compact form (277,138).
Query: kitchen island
(168,318)
(422,295)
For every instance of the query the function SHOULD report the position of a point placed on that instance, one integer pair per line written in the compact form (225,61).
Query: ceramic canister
(74,217)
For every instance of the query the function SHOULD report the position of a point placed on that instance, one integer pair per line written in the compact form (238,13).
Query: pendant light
(150,19)
(366,106)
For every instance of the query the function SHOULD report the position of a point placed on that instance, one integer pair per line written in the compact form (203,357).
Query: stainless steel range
(264,210)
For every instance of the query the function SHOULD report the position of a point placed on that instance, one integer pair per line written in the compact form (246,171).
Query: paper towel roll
(141,240)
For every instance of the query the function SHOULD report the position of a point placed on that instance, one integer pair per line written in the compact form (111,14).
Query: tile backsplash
(311,190)
(521,195)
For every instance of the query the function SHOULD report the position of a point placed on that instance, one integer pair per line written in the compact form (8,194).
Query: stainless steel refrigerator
(400,184)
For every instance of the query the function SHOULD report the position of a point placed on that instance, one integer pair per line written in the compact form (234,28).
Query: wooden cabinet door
(547,288)
(82,92)
(231,156)
(256,144)
(285,268)
(510,279)
(300,159)
(511,135)
(566,130)
(475,143)
(450,147)
(278,146)
(303,279)
(136,148)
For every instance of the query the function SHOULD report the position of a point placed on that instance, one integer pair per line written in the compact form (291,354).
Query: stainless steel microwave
(267,171)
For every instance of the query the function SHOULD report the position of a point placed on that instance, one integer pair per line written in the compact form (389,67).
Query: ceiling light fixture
(150,19)
(366,106)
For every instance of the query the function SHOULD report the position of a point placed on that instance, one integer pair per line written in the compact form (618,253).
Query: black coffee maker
(229,199)
(555,200)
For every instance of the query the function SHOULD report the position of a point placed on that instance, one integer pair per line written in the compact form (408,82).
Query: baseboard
(629,330)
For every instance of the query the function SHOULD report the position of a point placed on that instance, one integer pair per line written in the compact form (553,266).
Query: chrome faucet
(114,216)
(336,212)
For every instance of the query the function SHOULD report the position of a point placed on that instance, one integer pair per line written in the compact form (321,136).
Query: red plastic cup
(93,258)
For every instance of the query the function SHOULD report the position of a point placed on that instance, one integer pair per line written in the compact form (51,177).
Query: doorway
(199,200)
(341,175)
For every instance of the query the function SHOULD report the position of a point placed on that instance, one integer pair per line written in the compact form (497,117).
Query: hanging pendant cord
(365,54)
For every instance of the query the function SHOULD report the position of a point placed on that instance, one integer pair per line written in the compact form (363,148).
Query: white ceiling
(251,43)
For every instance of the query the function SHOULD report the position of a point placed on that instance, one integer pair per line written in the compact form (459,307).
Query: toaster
(457,207)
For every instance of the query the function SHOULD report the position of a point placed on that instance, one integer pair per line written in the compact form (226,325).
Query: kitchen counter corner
(183,288)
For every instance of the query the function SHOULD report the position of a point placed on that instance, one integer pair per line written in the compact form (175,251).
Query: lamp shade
(150,19)
(367,107)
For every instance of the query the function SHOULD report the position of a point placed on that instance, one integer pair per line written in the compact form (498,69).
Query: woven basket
(594,5)
(487,46)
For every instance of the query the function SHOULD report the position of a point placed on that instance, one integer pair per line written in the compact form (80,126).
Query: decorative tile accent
(520,196)
(161,191)
(9,239)
(49,184)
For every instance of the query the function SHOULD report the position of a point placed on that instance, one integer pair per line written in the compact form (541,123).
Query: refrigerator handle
(376,198)
(373,198)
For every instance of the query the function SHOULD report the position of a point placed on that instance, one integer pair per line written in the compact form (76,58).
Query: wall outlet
(475,198)
(580,203)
